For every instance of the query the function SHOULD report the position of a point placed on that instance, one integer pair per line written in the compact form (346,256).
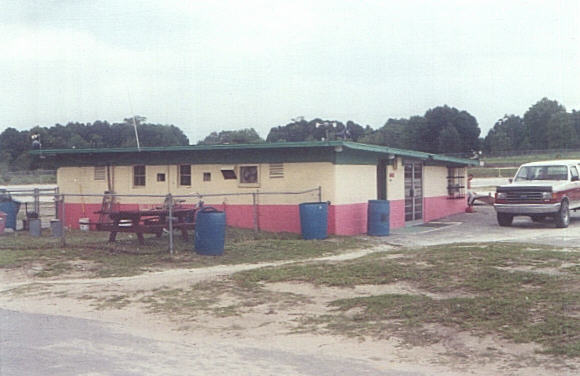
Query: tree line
(545,125)
(15,145)
(442,129)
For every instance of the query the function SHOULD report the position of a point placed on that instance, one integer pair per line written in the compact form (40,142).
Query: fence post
(62,221)
(37,201)
(319,193)
(255,206)
(169,200)
(56,196)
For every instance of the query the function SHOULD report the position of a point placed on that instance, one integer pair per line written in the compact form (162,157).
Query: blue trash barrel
(378,218)
(210,231)
(314,220)
(10,207)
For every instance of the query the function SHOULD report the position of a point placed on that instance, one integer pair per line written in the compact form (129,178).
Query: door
(413,192)
(382,180)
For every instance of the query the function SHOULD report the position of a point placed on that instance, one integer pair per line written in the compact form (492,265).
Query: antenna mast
(134,120)
(136,133)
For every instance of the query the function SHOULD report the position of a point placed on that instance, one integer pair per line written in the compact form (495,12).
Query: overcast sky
(216,65)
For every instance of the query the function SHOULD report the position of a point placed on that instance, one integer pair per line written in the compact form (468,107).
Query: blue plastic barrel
(314,220)
(378,218)
(10,207)
(210,231)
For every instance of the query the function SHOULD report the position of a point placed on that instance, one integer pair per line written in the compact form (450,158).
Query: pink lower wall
(439,207)
(348,219)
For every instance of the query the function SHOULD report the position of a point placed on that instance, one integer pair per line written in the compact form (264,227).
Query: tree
(450,140)
(560,131)
(315,130)
(242,136)
(508,133)
(439,119)
(536,120)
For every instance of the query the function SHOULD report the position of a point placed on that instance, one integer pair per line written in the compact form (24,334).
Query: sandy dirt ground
(271,325)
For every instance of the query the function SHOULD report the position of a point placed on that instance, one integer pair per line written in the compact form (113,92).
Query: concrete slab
(481,226)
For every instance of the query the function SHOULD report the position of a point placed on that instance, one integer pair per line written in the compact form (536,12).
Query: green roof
(313,150)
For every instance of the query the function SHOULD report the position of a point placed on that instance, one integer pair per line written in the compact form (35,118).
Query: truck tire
(504,219)
(562,218)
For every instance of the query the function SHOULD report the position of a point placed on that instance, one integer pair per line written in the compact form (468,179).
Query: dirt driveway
(481,226)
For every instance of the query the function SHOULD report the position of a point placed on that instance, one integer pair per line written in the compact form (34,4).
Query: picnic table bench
(150,221)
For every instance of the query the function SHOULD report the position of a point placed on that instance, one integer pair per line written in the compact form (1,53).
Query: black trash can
(210,232)
(378,218)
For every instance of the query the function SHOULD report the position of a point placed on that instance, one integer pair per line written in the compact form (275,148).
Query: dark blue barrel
(10,207)
(210,231)
(378,218)
(314,220)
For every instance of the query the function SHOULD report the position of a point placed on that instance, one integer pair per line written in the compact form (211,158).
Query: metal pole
(254,203)
(62,220)
(37,201)
(319,193)
(56,195)
(169,200)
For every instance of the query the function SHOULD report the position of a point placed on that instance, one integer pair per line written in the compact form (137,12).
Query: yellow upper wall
(296,177)
(396,180)
(355,183)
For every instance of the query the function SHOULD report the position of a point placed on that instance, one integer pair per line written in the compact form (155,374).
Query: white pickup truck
(540,190)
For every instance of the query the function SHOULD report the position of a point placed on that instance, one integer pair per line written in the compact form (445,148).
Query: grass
(492,172)
(90,254)
(480,287)
(516,160)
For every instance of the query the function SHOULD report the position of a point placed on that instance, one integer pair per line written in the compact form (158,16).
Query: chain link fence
(162,214)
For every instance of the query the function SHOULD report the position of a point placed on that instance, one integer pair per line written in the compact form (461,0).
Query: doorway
(413,192)
(382,180)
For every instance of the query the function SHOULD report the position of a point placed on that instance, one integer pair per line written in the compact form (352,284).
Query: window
(574,173)
(185,175)
(207,176)
(542,173)
(276,170)
(139,176)
(455,183)
(249,175)
(160,177)
(99,173)
(229,173)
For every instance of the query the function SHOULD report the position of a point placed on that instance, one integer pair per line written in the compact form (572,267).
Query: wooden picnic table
(151,221)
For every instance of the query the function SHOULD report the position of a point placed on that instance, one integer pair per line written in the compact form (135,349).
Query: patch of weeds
(31,289)
(127,258)
(53,269)
(209,298)
(112,302)
(517,305)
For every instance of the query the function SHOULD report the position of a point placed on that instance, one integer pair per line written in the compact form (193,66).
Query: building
(420,186)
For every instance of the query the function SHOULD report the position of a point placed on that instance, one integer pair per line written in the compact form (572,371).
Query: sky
(221,65)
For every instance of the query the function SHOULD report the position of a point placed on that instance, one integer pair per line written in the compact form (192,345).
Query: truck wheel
(538,218)
(504,219)
(562,218)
